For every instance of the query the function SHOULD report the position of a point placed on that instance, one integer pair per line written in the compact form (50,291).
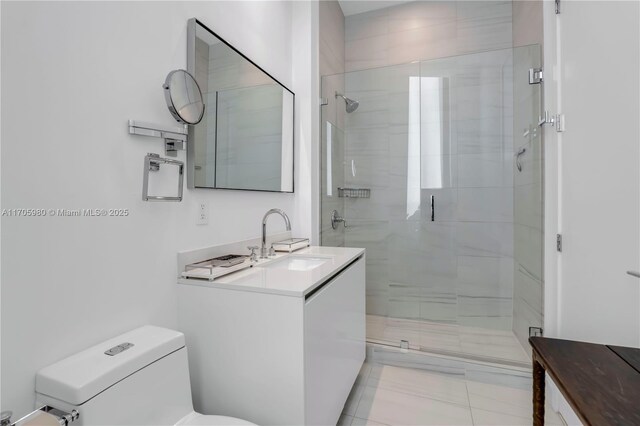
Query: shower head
(351,104)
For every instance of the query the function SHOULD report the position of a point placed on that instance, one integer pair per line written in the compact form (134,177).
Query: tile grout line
(366,383)
(415,394)
(469,399)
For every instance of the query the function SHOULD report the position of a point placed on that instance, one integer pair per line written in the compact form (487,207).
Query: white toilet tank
(144,384)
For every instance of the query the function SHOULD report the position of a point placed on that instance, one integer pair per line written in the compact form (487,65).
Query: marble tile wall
(331,132)
(331,64)
(331,55)
(424,30)
(332,164)
(457,269)
(527,23)
(486,213)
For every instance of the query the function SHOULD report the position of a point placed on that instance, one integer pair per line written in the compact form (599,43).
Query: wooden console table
(600,382)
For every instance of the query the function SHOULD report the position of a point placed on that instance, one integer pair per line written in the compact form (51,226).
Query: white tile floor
(389,395)
(447,338)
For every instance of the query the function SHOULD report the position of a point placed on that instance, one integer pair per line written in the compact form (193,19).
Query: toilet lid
(202,420)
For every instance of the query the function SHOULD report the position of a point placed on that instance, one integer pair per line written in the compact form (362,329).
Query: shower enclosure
(437,172)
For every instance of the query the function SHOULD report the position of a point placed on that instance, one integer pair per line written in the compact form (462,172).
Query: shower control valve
(336,219)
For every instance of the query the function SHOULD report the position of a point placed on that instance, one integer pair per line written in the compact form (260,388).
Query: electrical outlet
(203,213)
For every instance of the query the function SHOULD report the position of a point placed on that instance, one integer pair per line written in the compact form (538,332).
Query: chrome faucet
(263,250)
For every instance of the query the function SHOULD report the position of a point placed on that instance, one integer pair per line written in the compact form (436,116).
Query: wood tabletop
(630,355)
(601,383)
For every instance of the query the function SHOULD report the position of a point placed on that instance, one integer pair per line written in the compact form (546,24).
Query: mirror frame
(191,67)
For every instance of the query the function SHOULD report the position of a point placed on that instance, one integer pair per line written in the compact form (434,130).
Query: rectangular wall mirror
(245,139)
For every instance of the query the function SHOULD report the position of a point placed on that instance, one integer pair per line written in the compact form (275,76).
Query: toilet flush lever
(118,348)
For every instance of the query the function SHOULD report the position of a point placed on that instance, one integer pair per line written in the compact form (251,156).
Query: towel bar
(152,164)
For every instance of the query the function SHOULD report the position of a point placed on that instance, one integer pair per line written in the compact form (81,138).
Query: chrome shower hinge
(556,120)
(324,101)
(560,123)
(535,75)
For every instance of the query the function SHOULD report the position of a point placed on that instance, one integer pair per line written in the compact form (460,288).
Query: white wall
(591,175)
(589,296)
(306,80)
(72,75)
(600,211)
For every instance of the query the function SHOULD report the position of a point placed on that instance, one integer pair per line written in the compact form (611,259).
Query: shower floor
(477,343)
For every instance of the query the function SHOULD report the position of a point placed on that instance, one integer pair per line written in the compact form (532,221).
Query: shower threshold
(498,347)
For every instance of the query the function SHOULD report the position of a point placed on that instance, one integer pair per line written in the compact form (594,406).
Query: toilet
(138,378)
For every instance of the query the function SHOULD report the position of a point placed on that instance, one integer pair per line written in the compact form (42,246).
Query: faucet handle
(254,256)
(272,251)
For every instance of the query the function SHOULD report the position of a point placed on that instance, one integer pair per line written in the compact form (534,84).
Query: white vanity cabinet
(334,344)
(272,356)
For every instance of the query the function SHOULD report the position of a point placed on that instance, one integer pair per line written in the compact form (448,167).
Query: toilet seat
(197,419)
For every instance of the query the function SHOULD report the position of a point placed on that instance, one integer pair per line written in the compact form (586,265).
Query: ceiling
(353,7)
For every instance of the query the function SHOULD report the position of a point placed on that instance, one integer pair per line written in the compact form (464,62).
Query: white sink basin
(297,263)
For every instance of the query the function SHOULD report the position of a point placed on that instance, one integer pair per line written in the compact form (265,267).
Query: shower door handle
(518,155)
(433,208)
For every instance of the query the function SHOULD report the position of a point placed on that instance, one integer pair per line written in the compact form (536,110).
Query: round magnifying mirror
(183,96)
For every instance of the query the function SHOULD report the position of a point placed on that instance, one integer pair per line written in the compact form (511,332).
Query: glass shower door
(332,162)
(381,135)
(447,216)
(528,196)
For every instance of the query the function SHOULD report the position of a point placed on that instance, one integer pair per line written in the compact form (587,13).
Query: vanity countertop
(267,276)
